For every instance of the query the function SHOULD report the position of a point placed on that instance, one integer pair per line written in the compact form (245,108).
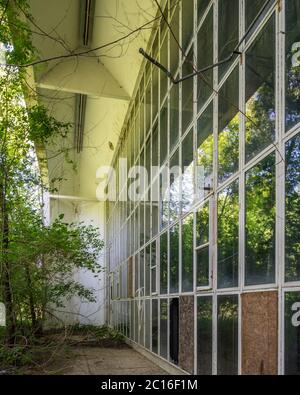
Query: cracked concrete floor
(110,361)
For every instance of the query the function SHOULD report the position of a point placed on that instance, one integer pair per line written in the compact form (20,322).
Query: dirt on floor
(110,361)
(85,354)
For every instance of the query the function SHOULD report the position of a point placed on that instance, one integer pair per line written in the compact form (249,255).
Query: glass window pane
(228,31)
(292,63)
(174,116)
(204,336)
(154,149)
(187,91)
(155,207)
(148,108)
(164,328)
(141,313)
(163,134)
(253,8)
(154,91)
(174,205)
(187,254)
(205,59)
(292,333)
(147,324)
(187,199)
(260,223)
(228,308)
(142,272)
(202,225)
(142,223)
(164,61)
(164,264)
(155,326)
(203,267)
(228,237)
(164,197)
(229,127)
(174,259)
(292,222)
(205,151)
(153,268)
(174,48)
(202,6)
(202,238)
(260,92)
(187,22)
(147,270)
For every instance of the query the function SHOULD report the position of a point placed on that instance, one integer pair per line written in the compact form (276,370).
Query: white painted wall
(77,311)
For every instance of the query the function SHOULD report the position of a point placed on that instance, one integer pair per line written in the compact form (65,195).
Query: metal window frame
(117,224)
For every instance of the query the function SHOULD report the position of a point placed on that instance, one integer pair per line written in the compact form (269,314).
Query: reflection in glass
(155,150)
(187,185)
(187,254)
(153,268)
(164,328)
(174,116)
(205,59)
(203,266)
(147,324)
(187,22)
(229,127)
(292,333)
(260,92)
(228,31)
(154,91)
(228,335)
(174,49)
(163,134)
(174,259)
(142,273)
(260,223)
(202,6)
(205,151)
(187,91)
(141,312)
(204,336)
(164,264)
(136,321)
(148,108)
(164,197)
(174,204)
(253,8)
(292,63)
(202,244)
(228,237)
(147,270)
(155,207)
(155,326)
(164,61)
(142,223)
(292,222)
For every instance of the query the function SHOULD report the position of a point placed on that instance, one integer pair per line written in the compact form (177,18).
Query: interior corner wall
(76,311)
(260,333)
(186,333)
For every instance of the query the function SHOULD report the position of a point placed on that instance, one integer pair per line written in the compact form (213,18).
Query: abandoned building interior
(205,272)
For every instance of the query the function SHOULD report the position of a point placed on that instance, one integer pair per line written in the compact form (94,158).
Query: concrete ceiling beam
(84,75)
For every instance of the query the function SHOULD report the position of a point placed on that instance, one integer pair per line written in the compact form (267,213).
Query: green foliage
(37,262)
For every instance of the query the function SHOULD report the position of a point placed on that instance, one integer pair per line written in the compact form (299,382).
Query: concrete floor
(110,361)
